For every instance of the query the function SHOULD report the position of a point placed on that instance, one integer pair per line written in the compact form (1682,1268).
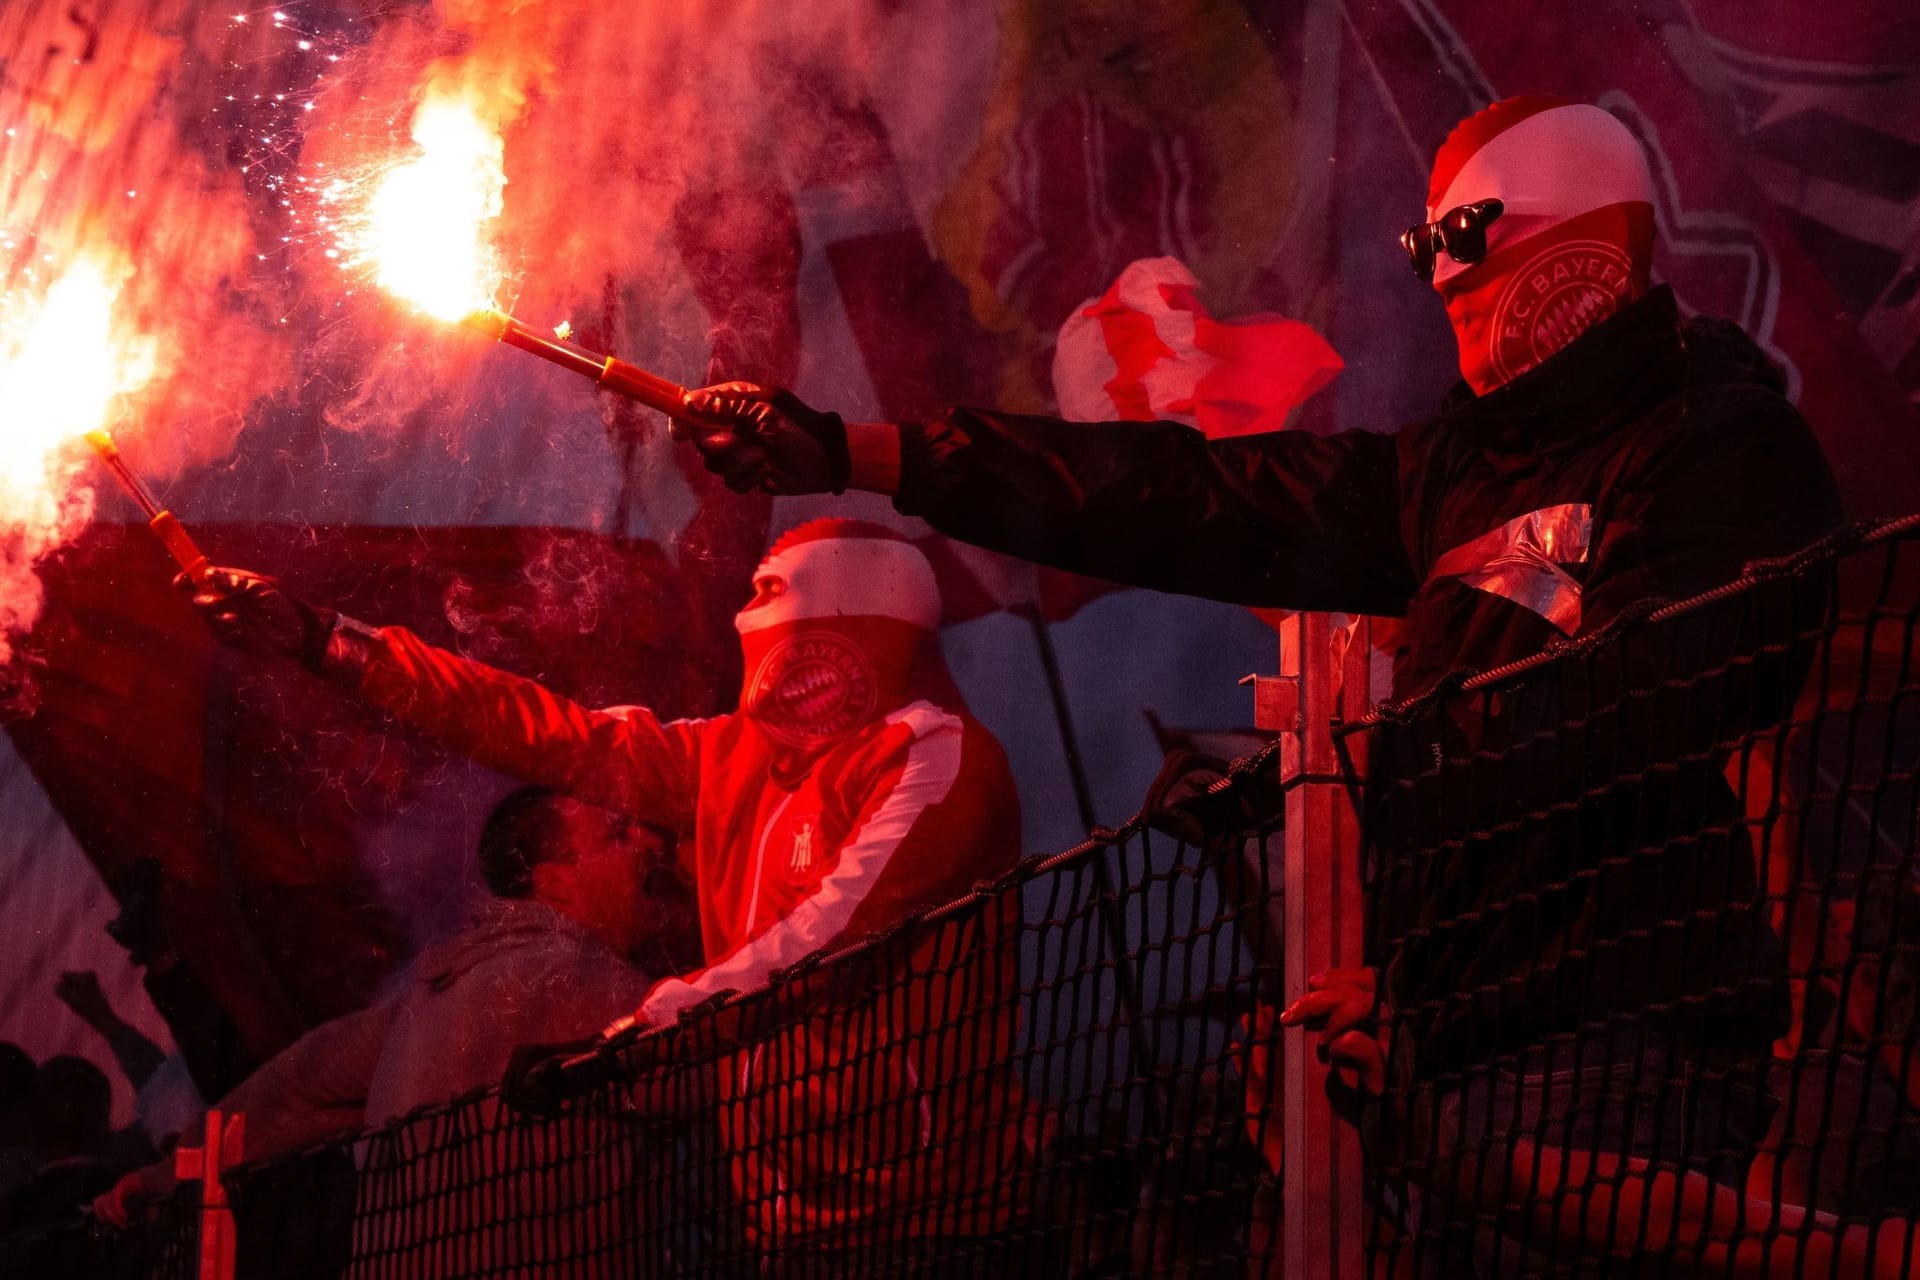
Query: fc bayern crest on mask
(811,688)
(1558,295)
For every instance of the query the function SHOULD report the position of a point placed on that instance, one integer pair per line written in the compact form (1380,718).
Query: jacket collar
(1632,359)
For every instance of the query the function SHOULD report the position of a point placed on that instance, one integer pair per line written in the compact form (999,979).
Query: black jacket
(1530,844)
(1676,437)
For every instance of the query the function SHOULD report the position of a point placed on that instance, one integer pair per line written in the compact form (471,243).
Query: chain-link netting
(1645,921)
(161,1244)
(1045,1078)
(1645,915)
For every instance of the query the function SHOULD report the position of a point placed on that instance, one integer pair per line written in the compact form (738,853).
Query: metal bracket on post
(225,1147)
(1327,660)
(1276,703)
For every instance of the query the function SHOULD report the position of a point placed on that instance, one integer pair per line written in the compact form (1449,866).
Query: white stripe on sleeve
(933,763)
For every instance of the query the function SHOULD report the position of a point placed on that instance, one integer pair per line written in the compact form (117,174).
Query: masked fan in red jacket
(851,789)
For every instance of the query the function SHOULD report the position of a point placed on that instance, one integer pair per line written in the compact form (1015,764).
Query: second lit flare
(63,362)
(426,225)
(426,233)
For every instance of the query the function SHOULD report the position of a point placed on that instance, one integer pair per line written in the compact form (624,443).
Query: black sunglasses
(1461,231)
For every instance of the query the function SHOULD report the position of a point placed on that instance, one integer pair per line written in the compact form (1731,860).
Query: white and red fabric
(1573,245)
(852,791)
(1148,349)
(835,568)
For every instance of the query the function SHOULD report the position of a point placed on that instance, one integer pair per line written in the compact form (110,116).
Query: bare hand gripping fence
(1646,919)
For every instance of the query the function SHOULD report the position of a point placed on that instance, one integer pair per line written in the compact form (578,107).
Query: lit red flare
(62,365)
(424,229)
(64,361)
(424,233)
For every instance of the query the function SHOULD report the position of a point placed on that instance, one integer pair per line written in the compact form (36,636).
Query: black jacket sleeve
(1284,520)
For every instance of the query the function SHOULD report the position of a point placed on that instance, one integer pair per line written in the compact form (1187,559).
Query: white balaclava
(842,615)
(1573,245)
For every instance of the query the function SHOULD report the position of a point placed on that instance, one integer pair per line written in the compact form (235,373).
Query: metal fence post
(225,1147)
(1329,661)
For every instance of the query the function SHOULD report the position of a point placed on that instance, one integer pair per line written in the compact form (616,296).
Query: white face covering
(833,632)
(1573,244)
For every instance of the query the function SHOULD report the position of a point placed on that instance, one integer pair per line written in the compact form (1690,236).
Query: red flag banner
(1149,349)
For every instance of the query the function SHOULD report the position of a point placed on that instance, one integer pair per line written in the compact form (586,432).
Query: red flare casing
(180,545)
(617,376)
(165,525)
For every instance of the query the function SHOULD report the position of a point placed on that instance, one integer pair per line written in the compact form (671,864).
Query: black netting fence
(1645,920)
(161,1244)
(1045,1078)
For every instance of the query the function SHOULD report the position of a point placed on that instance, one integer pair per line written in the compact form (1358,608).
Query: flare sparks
(425,234)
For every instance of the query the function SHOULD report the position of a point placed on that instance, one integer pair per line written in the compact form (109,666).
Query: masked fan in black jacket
(1601,453)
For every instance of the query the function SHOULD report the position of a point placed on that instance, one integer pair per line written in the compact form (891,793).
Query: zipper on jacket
(760,863)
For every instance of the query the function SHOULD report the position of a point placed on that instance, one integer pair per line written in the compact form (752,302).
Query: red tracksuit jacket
(852,1129)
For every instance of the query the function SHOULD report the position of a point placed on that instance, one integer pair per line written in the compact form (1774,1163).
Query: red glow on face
(767,588)
(610,857)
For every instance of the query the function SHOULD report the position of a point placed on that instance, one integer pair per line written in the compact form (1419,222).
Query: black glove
(765,438)
(542,1078)
(1178,803)
(250,612)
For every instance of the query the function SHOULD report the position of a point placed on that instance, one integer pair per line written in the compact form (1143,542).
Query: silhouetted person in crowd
(164,1099)
(205,1034)
(16,1083)
(70,1107)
